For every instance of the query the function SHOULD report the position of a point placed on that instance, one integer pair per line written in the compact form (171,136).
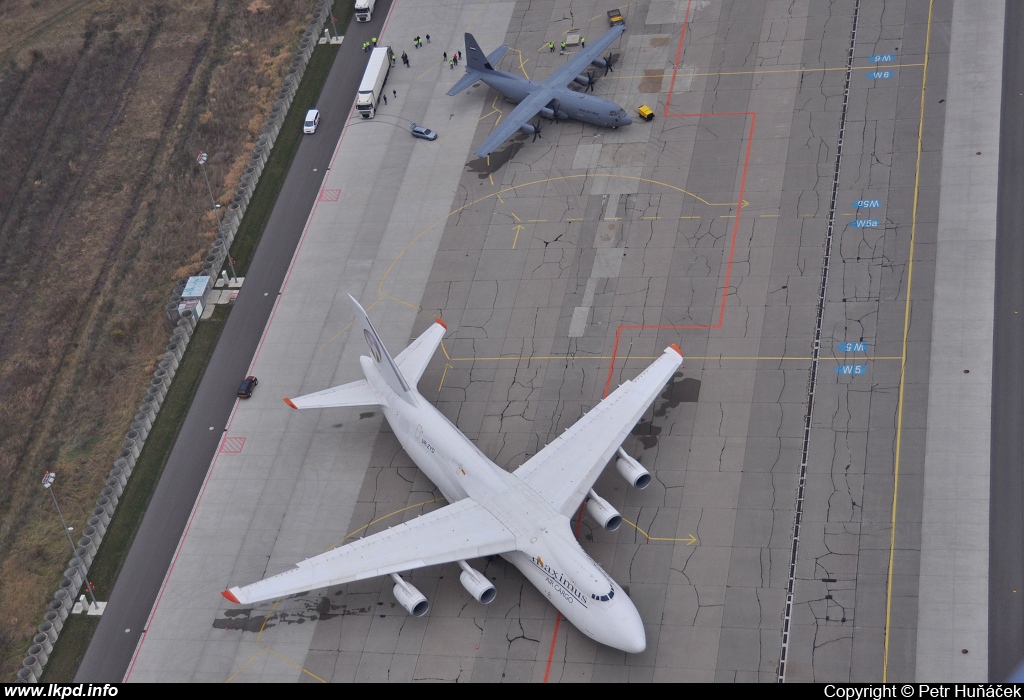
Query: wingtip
(675,347)
(230,596)
(441,323)
(289,402)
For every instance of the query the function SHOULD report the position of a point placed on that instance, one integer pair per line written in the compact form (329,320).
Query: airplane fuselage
(548,554)
(571,104)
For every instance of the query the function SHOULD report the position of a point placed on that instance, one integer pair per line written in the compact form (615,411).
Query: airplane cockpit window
(604,598)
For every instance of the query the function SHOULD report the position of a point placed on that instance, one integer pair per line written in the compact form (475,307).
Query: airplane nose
(630,636)
(625,121)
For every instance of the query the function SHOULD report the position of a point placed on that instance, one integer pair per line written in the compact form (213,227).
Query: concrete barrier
(39,653)
(43,641)
(107,492)
(106,505)
(97,524)
(115,485)
(75,575)
(49,630)
(64,599)
(56,614)
(31,663)
(101,514)
(127,456)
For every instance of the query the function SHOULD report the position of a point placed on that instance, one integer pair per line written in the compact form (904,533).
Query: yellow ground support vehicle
(615,17)
(646,113)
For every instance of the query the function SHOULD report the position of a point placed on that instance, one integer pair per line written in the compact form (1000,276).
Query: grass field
(103,105)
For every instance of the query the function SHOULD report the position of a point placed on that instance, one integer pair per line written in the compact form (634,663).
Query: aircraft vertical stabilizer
(385,364)
(475,57)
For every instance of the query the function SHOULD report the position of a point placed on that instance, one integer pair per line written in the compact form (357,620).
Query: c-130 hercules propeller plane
(524,516)
(551,99)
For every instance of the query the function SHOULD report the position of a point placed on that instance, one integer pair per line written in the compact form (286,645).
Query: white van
(312,121)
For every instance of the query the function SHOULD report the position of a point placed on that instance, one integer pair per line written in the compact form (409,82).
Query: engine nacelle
(409,597)
(632,471)
(582,79)
(476,583)
(599,62)
(603,512)
(528,128)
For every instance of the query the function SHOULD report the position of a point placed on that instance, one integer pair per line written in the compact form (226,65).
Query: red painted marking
(679,56)
(230,596)
(677,349)
(330,195)
(441,323)
(289,402)
(232,445)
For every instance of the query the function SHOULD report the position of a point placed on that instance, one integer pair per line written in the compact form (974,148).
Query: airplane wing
(578,63)
(462,530)
(524,112)
(566,469)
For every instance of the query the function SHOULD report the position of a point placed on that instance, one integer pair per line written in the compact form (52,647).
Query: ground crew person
(583,43)
(563,45)
(451,64)
(551,46)
(374,41)
(366,45)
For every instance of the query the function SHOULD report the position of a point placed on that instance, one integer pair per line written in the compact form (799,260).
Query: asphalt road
(138,585)
(1006,538)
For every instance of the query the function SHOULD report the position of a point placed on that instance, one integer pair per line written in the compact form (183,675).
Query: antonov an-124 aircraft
(524,516)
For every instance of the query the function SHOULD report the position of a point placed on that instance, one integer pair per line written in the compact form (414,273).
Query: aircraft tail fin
(475,57)
(385,363)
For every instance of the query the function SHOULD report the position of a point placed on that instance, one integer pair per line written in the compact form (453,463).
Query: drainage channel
(815,354)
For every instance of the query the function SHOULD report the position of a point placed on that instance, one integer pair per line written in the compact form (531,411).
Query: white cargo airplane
(524,516)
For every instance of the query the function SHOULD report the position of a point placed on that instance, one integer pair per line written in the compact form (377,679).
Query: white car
(312,121)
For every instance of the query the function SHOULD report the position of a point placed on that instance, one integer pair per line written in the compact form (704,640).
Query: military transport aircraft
(524,516)
(551,99)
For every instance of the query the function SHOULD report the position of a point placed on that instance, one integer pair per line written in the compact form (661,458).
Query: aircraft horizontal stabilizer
(471,76)
(352,394)
(413,360)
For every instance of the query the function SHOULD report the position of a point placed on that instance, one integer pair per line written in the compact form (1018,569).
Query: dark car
(246,387)
(422,132)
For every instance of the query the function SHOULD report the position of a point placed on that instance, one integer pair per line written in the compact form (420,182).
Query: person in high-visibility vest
(563,46)
(551,46)
(583,43)
(374,41)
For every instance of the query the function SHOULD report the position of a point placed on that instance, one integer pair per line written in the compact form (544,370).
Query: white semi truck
(372,85)
(364,10)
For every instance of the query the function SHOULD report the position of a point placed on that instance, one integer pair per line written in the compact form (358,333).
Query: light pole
(201,159)
(48,478)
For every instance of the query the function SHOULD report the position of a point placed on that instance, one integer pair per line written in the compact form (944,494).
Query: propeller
(536,131)
(609,61)
(554,105)
(590,82)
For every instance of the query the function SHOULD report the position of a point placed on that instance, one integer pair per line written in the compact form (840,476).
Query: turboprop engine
(409,597)
(603,512)
(582,79)
(632,471)
(476,583)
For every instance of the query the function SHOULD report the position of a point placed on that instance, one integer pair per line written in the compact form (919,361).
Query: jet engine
(632,471)
(476,583)
(603,512)
(409,597)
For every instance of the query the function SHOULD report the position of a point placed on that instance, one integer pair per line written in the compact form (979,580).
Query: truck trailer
(364,10)
(374,78)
